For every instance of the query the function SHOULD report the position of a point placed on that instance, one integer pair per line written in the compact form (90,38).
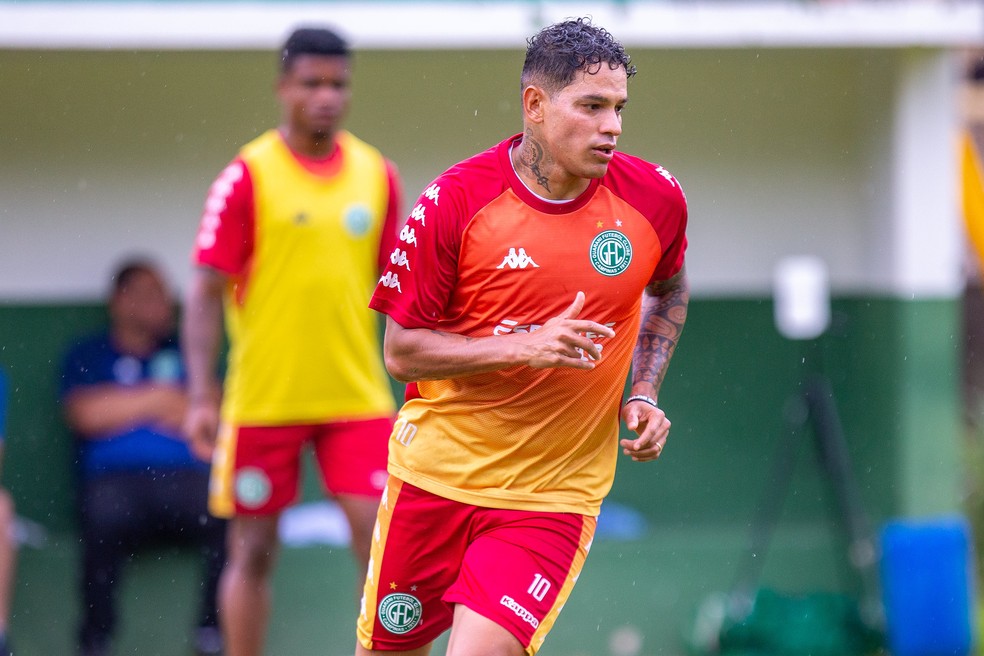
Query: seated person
(123,398)
(8,549)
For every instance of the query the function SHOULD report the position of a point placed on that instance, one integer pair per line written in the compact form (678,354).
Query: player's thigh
(476,635)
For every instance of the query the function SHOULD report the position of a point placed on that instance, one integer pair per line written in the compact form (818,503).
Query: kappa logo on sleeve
(408,235)
(418,213)
(666,174)
(399,258)
(391,281)
(432,193)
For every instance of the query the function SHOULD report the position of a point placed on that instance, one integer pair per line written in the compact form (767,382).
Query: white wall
(780,151)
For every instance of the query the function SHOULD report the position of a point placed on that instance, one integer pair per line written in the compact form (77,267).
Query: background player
(291,242)
(528,279)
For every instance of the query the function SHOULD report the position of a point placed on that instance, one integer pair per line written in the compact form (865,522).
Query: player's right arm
(415,354)
(222,250)
(201,335)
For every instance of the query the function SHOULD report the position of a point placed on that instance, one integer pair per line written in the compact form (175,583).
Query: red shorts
(514,567)
(256,469)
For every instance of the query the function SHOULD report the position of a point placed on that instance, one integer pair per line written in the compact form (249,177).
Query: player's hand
(652,428)
(201,427)
(566,341)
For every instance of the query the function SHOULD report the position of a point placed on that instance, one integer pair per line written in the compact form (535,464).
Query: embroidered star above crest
(618,223)
(600,224)
(392,585)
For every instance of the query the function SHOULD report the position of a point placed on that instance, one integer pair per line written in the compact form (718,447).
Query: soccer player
(527,280)
(291,242)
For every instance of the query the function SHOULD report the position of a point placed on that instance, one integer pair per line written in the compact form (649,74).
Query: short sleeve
(421,271)
(225,234)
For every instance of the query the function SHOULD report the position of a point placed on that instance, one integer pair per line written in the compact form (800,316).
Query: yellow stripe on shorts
(584,545)
(367,611)
(221,495)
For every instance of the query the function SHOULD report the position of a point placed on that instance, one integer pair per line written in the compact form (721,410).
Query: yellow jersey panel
(304,347)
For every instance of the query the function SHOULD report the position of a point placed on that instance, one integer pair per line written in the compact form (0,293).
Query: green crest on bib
(358,220)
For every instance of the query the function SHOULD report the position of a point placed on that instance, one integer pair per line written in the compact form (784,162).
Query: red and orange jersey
(481,255)
(301,243)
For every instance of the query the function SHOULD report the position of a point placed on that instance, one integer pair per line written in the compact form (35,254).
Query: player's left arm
(664,311)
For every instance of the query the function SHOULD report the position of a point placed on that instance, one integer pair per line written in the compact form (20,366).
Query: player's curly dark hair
(556,53)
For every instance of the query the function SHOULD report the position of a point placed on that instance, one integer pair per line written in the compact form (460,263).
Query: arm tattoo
(532,157)
(664,311)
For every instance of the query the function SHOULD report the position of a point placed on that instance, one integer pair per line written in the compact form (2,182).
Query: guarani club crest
(399,613)
(253,487)
(610,253)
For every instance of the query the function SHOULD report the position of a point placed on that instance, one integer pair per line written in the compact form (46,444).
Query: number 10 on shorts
(539,587)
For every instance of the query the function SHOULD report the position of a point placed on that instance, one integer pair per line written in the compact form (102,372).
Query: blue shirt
(95,362)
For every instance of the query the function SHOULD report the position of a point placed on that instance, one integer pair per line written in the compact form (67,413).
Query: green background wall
(726,392)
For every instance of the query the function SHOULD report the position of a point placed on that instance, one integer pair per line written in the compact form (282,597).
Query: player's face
(583,121)
(315,93)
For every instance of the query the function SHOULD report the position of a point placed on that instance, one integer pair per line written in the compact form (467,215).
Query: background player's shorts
(256,469)
(514,567)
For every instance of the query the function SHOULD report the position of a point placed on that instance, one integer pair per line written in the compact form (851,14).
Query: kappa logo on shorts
(253,487)
(610,253)
(521,612)
(400,613)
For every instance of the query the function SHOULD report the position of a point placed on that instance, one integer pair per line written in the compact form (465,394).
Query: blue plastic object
(927,586)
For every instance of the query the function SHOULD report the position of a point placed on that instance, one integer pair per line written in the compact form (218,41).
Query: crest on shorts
(610,253)
(400,613)
(252,487)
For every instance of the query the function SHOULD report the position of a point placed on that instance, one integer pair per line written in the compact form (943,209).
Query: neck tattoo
(531,156)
